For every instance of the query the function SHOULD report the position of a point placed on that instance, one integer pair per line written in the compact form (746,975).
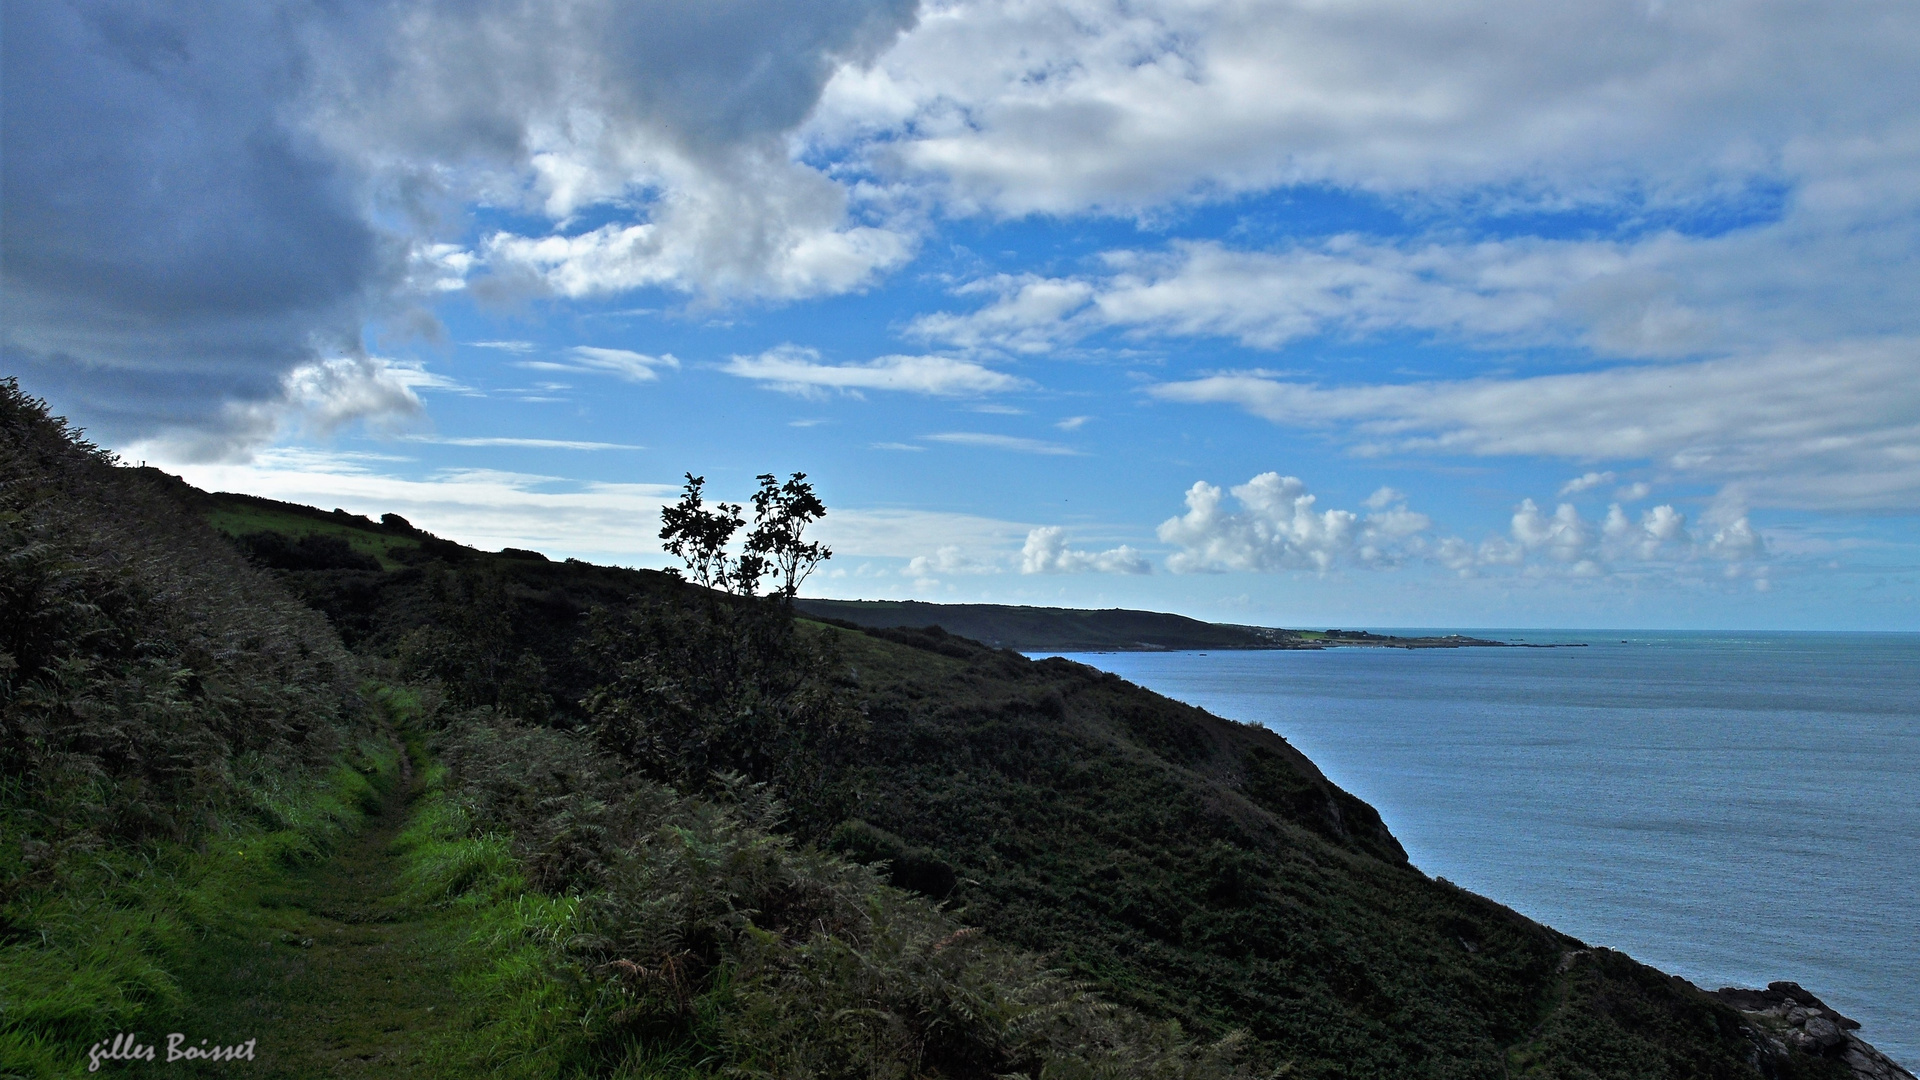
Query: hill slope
(1188,867)
(1192,867)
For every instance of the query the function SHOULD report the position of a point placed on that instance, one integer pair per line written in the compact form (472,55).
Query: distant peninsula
(1050,629)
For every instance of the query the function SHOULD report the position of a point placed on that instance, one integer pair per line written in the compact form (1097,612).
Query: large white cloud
(1280,526)
(677,117)
(1047,552)
(1023,106)
(1663,295)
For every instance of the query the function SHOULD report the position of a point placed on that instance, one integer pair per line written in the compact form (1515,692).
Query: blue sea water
(1732,808)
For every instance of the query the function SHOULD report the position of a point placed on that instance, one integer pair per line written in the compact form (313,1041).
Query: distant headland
(1049,629)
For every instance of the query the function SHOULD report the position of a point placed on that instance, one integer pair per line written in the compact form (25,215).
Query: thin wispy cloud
(594,360)
(528,444)
(1015,443)
(800,371)
(1828,428)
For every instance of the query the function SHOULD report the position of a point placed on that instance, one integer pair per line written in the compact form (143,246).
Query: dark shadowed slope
(1195,868)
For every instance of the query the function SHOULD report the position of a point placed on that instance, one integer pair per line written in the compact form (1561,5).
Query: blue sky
(1375,314)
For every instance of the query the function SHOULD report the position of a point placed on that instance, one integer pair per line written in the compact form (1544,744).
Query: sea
(1734,808)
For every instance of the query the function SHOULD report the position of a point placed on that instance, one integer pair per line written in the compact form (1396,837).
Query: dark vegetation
(687,834)
(1040,629)
(172,725)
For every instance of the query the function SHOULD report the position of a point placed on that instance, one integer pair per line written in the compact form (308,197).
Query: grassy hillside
(174,729)
(689,835)
(1191,868)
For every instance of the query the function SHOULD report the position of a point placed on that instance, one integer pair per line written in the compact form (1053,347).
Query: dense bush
(147,674)
(705,684)
(173,731)
(699,935)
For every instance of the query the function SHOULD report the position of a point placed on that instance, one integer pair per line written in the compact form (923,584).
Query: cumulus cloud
(1564,541)
(1807,427)
(1280,527)
(1046,552)
(799,371)
(678,118)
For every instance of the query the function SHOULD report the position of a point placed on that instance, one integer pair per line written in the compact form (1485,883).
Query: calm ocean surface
(1733,808)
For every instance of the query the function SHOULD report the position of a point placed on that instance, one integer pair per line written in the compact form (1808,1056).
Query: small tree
(776,546)
(698,536)
(781,514)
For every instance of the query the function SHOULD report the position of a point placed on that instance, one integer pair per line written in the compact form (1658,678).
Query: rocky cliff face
(1785,1016)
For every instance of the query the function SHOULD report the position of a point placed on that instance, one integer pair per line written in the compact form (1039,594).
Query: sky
(1381,313)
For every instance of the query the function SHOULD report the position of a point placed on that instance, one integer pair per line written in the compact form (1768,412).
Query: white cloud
(700,242)
(679,121)
(1564,542)
(1073,423)
(531,444)
(625,363)
(1022,107)
(1585,482)
(910,534)
(948,560)
(318,398)
(615,523)
(1046,552)
(1564,536)
(1806,427)
(1634,492)
(1279,527)
(798,370)
(486,508)
(1014,443)
(1736,539)
(1808,277)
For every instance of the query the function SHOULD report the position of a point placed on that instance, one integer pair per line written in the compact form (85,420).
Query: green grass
(240,519)
(291,933)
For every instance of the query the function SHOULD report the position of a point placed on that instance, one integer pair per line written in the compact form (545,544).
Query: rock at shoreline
(1788,1015)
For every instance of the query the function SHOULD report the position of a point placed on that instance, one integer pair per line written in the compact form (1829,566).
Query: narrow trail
(328,975)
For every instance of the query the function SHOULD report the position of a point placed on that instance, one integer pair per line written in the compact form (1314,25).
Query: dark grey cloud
(456,81)
(201,199)
(170,240)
